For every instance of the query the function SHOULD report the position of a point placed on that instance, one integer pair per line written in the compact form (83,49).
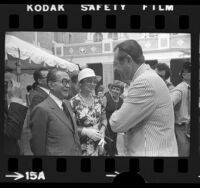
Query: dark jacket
(37,96)
(13,125)
(53,134)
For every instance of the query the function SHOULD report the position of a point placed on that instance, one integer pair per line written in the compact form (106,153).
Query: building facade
(97,51)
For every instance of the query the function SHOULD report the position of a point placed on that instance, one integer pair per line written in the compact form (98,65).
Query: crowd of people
(70,115)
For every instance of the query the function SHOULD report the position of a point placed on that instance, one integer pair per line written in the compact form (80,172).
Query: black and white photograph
(97,94)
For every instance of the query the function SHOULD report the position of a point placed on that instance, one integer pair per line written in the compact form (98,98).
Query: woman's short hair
(118,84)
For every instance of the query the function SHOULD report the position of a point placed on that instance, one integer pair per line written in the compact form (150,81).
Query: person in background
(164,72)
(74,84)
(100,93)
(14,116)
(109,89)
(90,115)
(181,98)
(112,102)
(53,126)
(41,90)
(28,89)
(146,115)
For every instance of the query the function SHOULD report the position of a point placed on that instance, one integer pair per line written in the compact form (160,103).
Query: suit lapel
(71,113)
(42,92)
(59,113)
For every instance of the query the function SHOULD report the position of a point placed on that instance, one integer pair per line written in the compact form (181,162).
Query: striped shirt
(147,116)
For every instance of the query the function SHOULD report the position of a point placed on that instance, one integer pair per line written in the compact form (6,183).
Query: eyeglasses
(64,81)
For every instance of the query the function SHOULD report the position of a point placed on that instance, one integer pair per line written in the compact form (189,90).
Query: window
(113,36)
(150,35)
(98,37)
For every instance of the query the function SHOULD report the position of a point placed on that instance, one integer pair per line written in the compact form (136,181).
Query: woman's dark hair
(74,78)
(34,86)
(28,88)
(164,67)
(186,68)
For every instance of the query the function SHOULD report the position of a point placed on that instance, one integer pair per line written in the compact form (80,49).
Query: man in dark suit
(53,126)
(40,90)
(14,116)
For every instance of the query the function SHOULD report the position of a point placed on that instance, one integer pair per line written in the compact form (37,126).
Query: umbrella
(23,50)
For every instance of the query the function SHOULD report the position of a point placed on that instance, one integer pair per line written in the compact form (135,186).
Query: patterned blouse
(88,116)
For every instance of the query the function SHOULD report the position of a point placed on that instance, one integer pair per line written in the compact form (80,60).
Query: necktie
(66,111)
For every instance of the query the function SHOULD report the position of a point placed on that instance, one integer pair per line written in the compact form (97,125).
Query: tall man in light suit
(54,129)
(147,115)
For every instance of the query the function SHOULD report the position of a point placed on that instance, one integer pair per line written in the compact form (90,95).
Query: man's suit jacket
(52,132)
(13,125)
(147,116)
(37,96)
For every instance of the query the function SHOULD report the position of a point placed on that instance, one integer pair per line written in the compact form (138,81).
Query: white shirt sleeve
(18,100)
(176,96)
(137,106)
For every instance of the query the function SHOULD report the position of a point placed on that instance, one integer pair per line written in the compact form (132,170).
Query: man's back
(154,135)
(37,96)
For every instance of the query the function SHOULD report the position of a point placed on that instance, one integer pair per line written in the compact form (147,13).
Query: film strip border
(132,19)
(61,169)
(110,22)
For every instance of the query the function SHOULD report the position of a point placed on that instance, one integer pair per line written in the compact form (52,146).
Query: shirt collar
(57,100)
(188,85)
(45,90)
(140,70)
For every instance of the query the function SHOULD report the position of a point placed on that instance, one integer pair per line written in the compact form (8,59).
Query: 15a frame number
(34,176)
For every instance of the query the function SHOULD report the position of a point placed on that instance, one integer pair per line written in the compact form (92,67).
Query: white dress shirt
(57,101)
(45,89)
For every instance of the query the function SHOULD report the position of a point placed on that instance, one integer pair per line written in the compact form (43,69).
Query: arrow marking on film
(112,175)
(17,176)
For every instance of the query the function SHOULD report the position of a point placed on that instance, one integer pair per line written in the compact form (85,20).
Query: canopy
(23,50)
